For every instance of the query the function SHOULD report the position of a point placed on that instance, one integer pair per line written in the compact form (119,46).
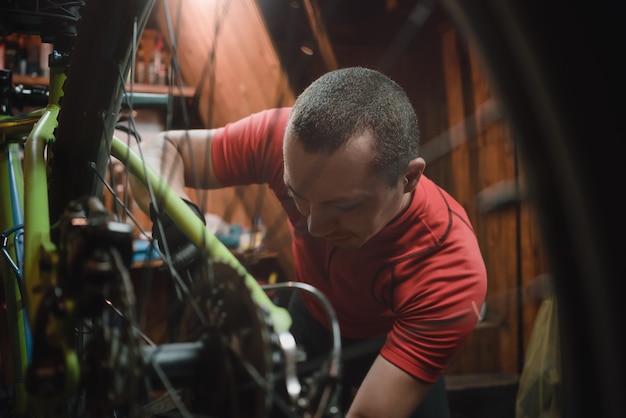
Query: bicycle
(582,258)
(88,356)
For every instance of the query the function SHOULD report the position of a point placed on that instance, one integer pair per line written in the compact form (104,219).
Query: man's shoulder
(437,197)
(271,117)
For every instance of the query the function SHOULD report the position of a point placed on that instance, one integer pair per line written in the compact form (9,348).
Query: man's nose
(320,222)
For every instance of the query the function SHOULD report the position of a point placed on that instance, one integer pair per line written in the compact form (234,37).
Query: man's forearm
(162,156)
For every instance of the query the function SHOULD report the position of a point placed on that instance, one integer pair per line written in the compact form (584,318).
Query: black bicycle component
(180,362)
(30,95)
(53,20)
(244,348)
(87,235)
(47,375)
(165,231)
(95,257)
(6,96)
(179,251)
(20,95)
(99,63)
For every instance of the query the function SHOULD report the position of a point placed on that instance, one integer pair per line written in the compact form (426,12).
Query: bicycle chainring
(247,344)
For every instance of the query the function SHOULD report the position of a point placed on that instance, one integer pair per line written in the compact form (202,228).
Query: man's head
(351,154)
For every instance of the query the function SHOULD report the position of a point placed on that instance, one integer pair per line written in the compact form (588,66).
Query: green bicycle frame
(12,186)
(40,253)
(17,259)
(11,225)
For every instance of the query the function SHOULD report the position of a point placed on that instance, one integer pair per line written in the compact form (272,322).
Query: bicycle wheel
(116,378)
(552,97)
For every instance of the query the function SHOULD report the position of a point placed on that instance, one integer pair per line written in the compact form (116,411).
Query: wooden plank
(481,352)
(480,380)
(498,229)
(459,155)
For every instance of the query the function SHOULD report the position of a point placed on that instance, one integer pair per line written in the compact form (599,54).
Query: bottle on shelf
(45,51)
(140,65)
(155,61)
(22,55)
(10,53)
(3,48)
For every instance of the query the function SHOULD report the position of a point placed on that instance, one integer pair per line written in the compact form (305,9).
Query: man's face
(343,200)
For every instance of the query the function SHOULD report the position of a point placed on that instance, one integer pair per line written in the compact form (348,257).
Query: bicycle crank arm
(177,364)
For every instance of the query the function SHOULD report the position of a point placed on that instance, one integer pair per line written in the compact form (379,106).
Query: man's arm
(387,391)
(181,158)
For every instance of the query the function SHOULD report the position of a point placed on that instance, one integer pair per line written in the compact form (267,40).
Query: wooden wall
(236,72)
(469,150)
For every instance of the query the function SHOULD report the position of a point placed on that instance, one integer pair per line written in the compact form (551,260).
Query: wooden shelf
(139,88)
(159,89)
(30,80)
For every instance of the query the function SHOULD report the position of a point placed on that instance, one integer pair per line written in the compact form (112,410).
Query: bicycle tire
(99,63)
(558,102)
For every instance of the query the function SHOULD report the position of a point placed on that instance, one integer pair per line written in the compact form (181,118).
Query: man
(395,255)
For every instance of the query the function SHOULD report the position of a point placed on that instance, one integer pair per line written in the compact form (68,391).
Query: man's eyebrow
(338,200)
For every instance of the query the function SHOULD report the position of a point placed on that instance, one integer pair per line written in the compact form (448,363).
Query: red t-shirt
(421,280)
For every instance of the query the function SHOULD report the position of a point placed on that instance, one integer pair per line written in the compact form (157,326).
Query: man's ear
(413,174)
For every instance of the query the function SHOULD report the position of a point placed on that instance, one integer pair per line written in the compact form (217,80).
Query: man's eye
(347,207)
